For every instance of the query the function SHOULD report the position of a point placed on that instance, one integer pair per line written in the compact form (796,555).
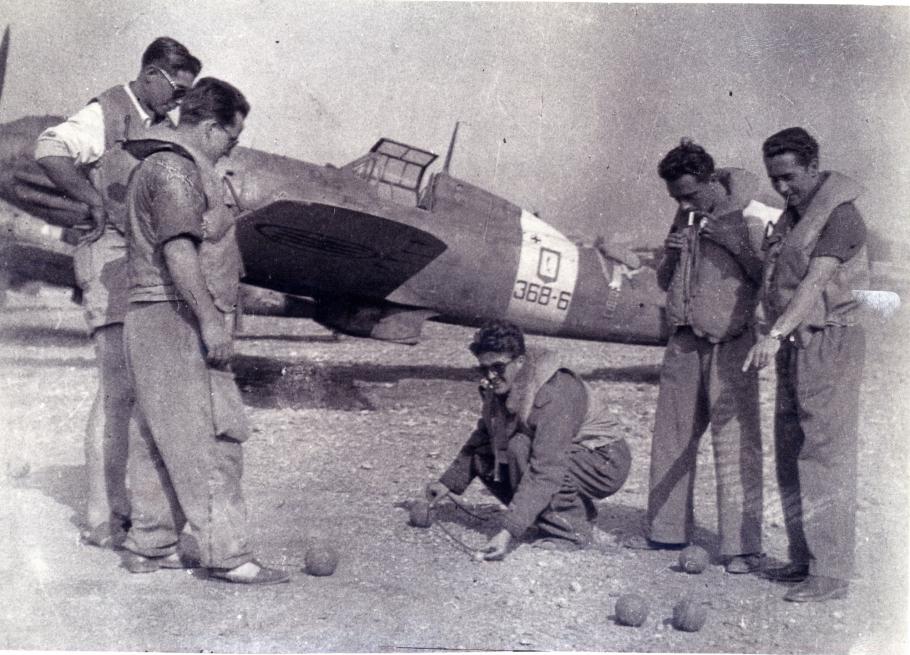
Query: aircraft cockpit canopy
(395,169)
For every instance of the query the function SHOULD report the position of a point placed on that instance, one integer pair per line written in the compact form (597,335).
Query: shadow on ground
(270,383)
(48,362)
(46,337)
(65,485)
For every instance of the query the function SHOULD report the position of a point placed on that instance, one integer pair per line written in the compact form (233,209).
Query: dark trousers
(589,474)
(702,383)
(815,433)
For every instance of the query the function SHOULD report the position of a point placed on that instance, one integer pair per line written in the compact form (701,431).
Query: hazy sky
(567,108)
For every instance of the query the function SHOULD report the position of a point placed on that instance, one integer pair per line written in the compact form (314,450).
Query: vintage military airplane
(367,249)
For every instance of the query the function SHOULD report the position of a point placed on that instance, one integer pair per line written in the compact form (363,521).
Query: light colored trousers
(180,473)
(702,384)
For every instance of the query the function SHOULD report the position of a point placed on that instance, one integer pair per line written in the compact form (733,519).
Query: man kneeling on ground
(545,445)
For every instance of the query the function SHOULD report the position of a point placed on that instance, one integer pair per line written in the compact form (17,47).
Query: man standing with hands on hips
(83,157)
(815,257)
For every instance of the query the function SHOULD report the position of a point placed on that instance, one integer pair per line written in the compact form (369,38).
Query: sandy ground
(347,434)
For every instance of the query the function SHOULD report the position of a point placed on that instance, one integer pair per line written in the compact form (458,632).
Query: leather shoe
(638,542)
(136,563)
(788,573)
(264,575)
(741,564)
(817,588)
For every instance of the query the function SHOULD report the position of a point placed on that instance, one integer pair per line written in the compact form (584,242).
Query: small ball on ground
(693,559)
(321,559)
(631,609)
(420,514)
(689,616)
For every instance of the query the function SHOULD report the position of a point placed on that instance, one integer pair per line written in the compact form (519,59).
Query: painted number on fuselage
(540,294)
(546,276)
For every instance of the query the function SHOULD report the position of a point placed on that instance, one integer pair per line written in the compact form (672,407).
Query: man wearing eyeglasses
(83,157)
(545,445)
(186,462)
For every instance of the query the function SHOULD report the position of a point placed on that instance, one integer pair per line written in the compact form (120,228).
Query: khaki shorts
(101,273)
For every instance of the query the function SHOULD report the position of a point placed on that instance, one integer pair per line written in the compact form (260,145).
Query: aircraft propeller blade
(4,51)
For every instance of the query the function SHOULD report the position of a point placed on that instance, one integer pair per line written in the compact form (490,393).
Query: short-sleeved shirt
(843,235)
(81,136)
(166,201)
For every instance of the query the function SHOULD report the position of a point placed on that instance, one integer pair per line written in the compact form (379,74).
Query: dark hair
(213,98)
(688,158)
(795,140)
(498,337)
(171,55)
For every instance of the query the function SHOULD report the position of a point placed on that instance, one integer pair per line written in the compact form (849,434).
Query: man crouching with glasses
(545,445)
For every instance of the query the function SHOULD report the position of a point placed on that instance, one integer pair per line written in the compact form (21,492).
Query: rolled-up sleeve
(80,137)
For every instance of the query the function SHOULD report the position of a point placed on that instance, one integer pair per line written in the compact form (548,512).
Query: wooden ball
(321,559)
(693,559)
(689,616)
(631,609)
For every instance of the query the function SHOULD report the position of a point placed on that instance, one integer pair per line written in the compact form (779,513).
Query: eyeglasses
(497,368)
(177,90)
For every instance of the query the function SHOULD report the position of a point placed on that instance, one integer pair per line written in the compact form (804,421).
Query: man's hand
(436,491)
(496,547)
(762,353)
(93,228)
(675,240)
(218,343)
(723,233)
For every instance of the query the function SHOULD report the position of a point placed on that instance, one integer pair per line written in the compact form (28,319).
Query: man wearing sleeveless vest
(712,274)
(815,258)
(83,156)
(184,270)
(545,445)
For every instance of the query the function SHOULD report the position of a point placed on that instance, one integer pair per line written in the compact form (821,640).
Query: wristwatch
(777,335)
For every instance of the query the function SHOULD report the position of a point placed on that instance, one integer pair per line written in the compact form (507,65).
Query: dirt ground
(346,434)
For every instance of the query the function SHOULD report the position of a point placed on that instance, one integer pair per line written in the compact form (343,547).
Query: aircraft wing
(318,250)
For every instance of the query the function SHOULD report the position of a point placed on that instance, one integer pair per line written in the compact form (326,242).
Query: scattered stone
(562,602)
(837,614)
(575,586)
(367,466)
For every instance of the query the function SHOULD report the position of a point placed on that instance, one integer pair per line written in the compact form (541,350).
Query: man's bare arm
(821,270)
(182,259)
(64,173)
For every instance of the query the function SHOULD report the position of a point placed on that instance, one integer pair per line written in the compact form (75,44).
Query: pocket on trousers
(228,412)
